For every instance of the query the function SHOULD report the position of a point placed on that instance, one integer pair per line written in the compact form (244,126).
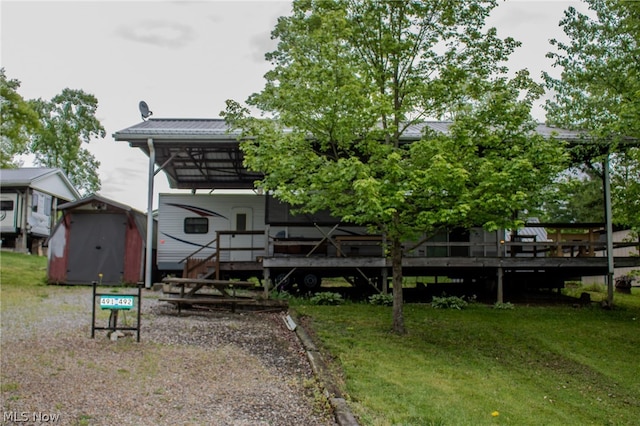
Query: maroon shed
(97,236)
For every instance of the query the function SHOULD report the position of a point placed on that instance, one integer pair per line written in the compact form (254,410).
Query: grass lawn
(532,365)
(22,278)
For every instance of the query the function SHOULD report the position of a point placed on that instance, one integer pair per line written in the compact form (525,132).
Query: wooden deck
(566,254)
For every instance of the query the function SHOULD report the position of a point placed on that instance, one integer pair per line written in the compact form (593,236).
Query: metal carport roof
(193,153)
(205,153)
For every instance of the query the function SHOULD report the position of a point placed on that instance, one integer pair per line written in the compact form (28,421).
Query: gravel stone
(205,367)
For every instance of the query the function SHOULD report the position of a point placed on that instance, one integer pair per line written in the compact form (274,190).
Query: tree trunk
(396,266)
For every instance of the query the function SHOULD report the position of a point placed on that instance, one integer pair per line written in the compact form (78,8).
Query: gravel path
(200,368)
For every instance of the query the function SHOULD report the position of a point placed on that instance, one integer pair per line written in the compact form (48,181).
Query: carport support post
(149,251)
(500,234)
(609,224)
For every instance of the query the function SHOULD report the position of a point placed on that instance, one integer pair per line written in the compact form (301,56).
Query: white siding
(55,185)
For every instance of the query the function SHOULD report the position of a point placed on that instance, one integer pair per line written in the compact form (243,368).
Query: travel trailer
(235,232)
(241,235)
(28,205)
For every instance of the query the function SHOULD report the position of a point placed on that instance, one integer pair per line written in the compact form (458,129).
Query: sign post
(115,303)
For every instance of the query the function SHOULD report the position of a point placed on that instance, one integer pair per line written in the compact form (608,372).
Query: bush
(595,288)
(503,305)
(381,299)
(450,302)
(280,295)
(326,298)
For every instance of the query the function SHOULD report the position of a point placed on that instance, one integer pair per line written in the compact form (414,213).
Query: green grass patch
(18,269)
(598,293)
(22,279)
(525,366)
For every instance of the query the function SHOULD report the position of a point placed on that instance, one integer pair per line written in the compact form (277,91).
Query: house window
(196,225)
(241,222)
(6,205)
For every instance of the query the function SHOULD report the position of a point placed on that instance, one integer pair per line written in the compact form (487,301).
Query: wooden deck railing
(561,245)
(195,267)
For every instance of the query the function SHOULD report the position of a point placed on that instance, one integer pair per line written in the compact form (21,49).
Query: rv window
(6,205)
(241,222)
(196,225)
(47,206)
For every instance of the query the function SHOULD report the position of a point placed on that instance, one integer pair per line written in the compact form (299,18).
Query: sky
(184,59)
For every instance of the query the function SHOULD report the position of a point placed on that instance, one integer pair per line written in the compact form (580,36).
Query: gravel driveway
(200,368)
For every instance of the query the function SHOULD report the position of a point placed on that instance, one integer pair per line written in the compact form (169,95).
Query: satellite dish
(144,110)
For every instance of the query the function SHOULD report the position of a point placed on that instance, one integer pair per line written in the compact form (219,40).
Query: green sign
(116,302)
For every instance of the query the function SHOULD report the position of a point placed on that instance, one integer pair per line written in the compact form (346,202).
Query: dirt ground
(200,368)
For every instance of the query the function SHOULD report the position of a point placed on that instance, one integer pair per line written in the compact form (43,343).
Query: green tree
(599,92)
(18,121)
(68,120)
(350,77)
(576,197)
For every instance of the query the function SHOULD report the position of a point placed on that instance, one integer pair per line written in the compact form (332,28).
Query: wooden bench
(234,303)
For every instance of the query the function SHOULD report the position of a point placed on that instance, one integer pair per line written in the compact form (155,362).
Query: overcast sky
(184,58)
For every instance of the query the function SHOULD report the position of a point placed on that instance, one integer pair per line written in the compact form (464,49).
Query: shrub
(381,299)
(503,305)
(280,295)
(450,302)
(595,288)
(326,298)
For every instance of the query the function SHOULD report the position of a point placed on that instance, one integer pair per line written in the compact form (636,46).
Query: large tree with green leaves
(575,197)
(67,121)
(350,77)
(599,91)
(18,121)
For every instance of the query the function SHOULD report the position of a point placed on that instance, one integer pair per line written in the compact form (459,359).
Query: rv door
(39,218)
(241,220)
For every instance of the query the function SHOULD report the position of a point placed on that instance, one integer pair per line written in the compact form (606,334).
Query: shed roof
(50,180)
(95,200)
(205,153)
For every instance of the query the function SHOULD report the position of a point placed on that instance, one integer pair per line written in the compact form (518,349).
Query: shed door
(97,243)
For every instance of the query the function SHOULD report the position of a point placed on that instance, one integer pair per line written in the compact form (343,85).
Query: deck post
(500,288)
(385,281)
(500,237)
(385,271)
(266,272)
